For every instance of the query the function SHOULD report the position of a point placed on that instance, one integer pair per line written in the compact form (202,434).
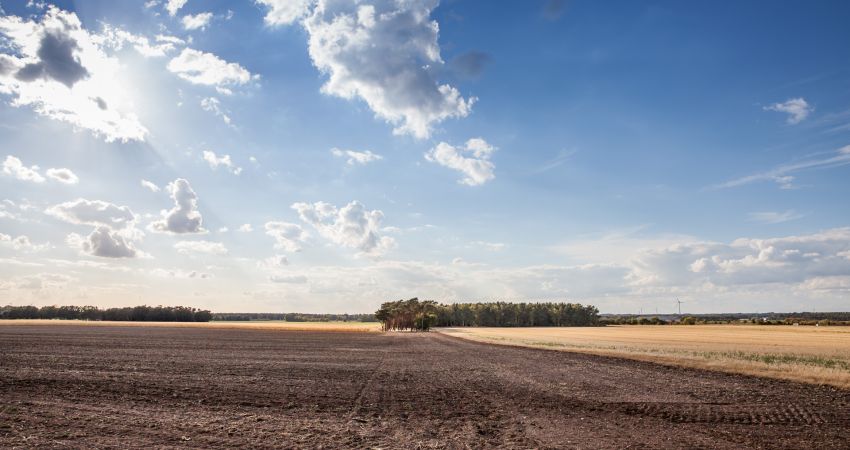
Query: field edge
(840,380)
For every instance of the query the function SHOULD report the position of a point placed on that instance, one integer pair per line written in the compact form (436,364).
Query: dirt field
(819,355)
(83,387)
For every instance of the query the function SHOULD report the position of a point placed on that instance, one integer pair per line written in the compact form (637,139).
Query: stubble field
(819,355)
(137,386)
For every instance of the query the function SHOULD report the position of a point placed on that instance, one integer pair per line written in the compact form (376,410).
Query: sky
(329,155)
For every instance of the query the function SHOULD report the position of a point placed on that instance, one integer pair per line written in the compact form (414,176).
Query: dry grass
(271,325)
(818,355)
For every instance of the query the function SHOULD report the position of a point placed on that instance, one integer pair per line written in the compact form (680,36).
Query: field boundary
(816,376)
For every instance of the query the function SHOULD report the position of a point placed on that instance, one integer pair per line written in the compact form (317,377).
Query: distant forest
(296,317)
(414,314)
(127,314)
(771,318)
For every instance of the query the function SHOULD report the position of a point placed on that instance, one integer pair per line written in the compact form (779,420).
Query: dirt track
(79,386)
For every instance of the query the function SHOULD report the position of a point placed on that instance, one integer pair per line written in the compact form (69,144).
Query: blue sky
(303,155)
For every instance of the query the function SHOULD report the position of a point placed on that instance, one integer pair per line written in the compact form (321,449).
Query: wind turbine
(679,304)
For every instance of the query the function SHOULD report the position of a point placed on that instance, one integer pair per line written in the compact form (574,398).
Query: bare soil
(84,387)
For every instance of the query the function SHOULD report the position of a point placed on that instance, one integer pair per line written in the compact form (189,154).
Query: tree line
(295,317)
(414,314)
(142,313)
(810,318)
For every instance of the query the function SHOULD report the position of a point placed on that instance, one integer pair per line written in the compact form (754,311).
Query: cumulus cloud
(221,161)
(285,12)
(172,6)
(149,185)
(159,46)
(206,247)
(786,260)
(62,71)
(104,242)
(200,20)
(14,167)
(288,236)
(383,52)
(65,176)
(93,212)
(273,262)
(796,108)
(56,60)
(207,69)
(471,159)
(351,226)
(355,157)
(213,105)
(184,217)
(21,243)
(246,228)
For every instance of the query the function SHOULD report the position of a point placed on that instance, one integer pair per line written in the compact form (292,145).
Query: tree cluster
(420,315)
(127,314)
(410,315)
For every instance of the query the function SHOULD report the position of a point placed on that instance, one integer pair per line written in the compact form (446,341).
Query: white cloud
(221,161)
(273,262)
(172,6)
(114,227)
(93,212)
(149,185)
(207,247)
(472,159)
(200,20)
(246,228)
(289,236)
(104,242)
(355,157)
(213,105)
(14,167)
(771,217)
(21,243)
(781,174)
(65,176)
(383,52)
(159,46)
(351,226)
(746,261)
(63,72)
(796,108)
(285,12)
(184,217)
(207,69)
